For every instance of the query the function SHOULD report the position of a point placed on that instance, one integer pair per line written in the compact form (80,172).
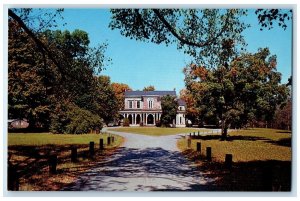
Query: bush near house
(126,122)
(75,120)
(157,123)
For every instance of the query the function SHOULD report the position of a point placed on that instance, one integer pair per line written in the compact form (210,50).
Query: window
(130,104)
(180,120)
(138,104)
(150,104)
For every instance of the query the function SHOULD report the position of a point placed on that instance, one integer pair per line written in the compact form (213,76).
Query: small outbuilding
(17,123)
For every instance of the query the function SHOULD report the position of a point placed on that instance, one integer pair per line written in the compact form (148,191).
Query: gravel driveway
(143,163)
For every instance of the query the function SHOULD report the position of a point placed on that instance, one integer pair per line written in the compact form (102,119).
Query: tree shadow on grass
(230,138)
(207,137)
(289,132)
(260,176)
(267,175)
(246,138)
(286,142)
(31,163)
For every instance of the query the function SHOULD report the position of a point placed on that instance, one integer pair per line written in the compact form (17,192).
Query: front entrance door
(150,119)
(138,119)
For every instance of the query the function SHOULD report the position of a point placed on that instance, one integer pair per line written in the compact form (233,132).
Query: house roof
(12,120)
(181,102)
(149,93)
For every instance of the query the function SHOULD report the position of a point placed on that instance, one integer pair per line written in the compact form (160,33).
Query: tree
(169,107)
(32,27)
(30,79)
(51,77)
(119,89)
(268,17)
(69,118)
(191,110)
(283,116)
(247,89)
(201,33)
(108,103)
(149,88)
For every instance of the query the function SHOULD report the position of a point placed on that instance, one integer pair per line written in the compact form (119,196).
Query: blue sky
(140,64)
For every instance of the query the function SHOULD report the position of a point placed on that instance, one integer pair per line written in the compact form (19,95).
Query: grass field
(262,160)
(157,131)
(29,154)
(247,145)
(39,139)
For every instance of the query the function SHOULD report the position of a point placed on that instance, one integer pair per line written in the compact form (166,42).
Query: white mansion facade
(145,107)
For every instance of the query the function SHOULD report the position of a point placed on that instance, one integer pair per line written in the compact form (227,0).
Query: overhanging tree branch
(181,38)
(40,45)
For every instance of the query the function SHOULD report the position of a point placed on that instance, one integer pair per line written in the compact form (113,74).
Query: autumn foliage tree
(247,89)
(119,90)
(192,112)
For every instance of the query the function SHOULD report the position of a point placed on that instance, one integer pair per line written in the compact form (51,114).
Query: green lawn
(39,139)
(247,145)
(29,152)
(157,131)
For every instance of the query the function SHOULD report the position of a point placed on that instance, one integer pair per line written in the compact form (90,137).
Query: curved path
(143,163)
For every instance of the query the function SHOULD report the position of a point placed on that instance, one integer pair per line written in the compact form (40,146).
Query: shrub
(157,123)
(141,124)
(75,121)
(126,122)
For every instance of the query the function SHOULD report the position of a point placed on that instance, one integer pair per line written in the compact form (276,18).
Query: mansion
(145,107)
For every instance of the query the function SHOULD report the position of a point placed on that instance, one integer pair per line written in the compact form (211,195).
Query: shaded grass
(157,131)
(29,154)
(246,145)
(261,160)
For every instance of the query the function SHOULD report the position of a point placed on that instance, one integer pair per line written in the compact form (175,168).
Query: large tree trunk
(224,130)
(224,133)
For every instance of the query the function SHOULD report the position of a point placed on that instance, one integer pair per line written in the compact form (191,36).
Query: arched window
(150,103)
